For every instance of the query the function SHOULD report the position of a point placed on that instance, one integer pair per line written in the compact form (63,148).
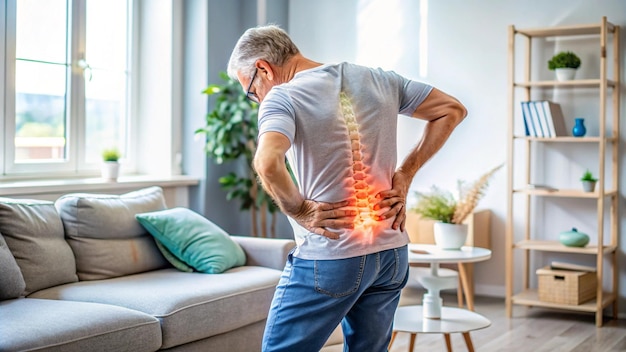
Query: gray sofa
(82,274)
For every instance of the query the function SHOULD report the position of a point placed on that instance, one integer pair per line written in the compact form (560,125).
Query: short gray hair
(269,43)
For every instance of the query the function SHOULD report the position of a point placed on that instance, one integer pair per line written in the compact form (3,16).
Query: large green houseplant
(231,134)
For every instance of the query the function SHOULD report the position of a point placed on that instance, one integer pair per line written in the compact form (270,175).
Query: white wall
(467,57)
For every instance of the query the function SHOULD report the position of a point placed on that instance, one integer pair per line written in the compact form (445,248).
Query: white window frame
(75,164)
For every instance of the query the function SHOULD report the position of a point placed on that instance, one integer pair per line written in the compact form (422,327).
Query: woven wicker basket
(565,286)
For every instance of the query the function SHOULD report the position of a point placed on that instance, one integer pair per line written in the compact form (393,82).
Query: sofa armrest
(267,252)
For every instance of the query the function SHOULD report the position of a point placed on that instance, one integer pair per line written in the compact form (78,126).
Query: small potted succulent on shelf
(449,212)
(111,165)
(564,64)
(589,182)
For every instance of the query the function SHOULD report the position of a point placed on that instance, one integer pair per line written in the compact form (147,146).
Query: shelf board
(531,298)
(567,139)
(556,246)
(560,31)
(579,83)
(569,193)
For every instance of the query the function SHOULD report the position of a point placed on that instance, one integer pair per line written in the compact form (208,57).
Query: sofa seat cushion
(190,306)
(52,325)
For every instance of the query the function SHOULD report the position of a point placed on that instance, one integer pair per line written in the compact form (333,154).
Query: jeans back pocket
(340,277)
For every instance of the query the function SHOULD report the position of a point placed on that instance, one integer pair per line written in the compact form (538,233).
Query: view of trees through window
(40,126)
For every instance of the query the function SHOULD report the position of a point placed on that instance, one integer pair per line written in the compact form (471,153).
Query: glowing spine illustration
(364,202)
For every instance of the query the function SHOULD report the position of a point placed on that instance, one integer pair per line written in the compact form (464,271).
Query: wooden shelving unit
(607,141)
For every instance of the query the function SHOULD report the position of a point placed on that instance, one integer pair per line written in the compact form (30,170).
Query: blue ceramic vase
(579,129)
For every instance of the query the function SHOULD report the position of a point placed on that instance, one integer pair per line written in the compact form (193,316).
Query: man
(337,126)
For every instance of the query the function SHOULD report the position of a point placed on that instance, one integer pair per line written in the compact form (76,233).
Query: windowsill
(26,187)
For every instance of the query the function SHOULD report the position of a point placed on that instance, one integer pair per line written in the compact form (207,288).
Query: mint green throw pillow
(172,259)
(193,239)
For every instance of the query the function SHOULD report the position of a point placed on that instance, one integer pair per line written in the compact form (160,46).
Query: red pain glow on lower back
(366,221)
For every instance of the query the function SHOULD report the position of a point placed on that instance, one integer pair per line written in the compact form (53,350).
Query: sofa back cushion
(106,238)
(34,234)
(12,283)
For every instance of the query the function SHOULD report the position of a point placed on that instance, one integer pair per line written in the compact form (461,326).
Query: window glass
(107,28)
(39,112)
(106,86)
(40,81)
(41,30)
(105,110)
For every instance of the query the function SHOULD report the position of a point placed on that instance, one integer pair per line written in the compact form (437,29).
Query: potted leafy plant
(111,166)
(589,181)
(564,64)
(450,212)
(231,134)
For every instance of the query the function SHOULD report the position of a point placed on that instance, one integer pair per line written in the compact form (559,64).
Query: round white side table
(434,283)
(432,316)
(454,320)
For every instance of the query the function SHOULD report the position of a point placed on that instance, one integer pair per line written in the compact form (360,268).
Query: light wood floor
(530,329)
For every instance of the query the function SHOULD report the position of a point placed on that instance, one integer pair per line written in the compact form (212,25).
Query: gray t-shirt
(341,120)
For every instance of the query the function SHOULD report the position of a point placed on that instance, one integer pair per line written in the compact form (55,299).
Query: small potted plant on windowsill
(589,182)
(450,212)
(564,64)
(111,164)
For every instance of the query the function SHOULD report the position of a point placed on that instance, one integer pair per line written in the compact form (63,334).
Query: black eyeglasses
(252,96)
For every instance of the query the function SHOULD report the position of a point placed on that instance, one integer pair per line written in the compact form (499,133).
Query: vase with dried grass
(449,211)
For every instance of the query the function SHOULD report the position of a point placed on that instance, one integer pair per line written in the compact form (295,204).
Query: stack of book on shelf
(543,118)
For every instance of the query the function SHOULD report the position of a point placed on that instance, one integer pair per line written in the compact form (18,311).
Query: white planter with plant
(589,182)
(110,164)
(564,64)
(450,212)
(450,236)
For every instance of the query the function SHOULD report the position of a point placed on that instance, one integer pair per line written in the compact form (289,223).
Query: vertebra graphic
(366,217)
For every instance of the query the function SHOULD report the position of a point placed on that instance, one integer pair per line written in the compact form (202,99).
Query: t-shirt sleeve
(414,93)
(411,93)
(276,114)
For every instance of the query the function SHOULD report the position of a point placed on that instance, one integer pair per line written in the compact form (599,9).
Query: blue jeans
(314,296)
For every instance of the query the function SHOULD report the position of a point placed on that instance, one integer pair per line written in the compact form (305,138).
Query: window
(67,84)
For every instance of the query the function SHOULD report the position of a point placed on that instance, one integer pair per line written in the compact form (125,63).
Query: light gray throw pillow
(12,283)
(34,233)
(106,238)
